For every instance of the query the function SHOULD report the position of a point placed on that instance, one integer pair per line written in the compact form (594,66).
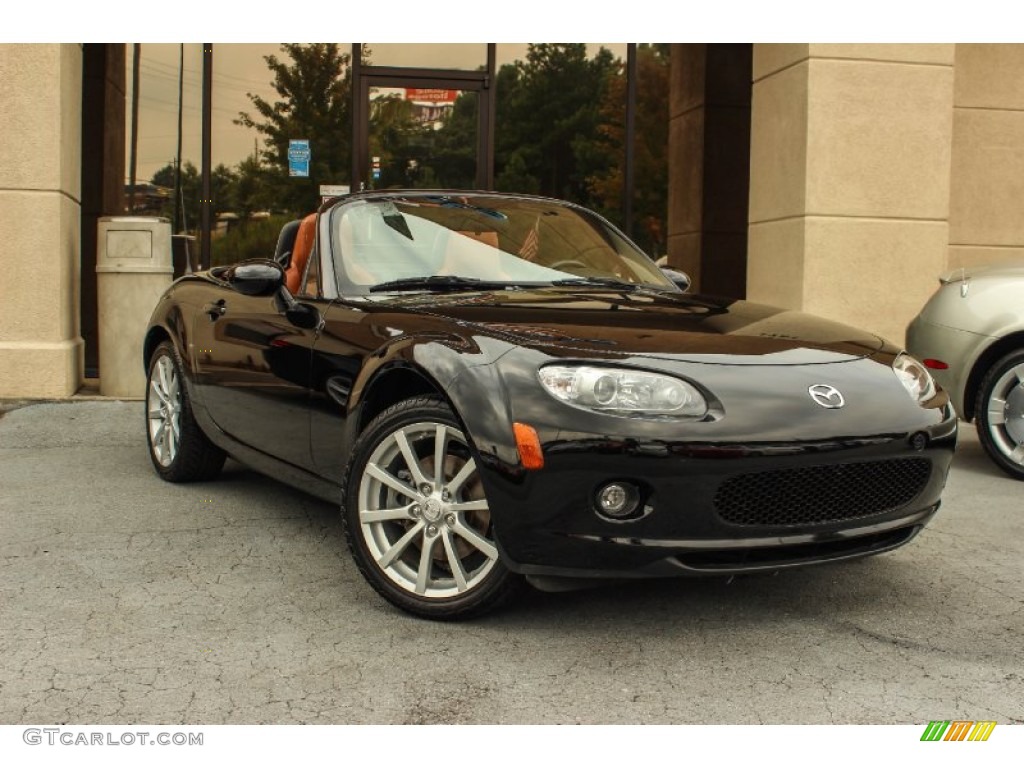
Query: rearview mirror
(260,277)
(678,277)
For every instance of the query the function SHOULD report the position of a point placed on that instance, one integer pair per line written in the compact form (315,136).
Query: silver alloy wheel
(163,410)
(1006,414)
(422,512)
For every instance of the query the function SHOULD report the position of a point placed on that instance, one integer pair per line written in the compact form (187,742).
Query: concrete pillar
(850,179)
(103,168)
(40,177)
(986,216)
(709,141)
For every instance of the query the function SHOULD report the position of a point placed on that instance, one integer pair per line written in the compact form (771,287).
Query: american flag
(531,245)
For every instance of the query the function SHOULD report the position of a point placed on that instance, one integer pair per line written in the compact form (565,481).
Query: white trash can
(133,268)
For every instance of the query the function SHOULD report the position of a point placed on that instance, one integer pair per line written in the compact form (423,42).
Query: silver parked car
(970,335)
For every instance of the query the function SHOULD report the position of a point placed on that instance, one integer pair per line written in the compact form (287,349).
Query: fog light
(618,500)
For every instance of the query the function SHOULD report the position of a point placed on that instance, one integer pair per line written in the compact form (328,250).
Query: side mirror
(302,316)
(676,276)
(260,277)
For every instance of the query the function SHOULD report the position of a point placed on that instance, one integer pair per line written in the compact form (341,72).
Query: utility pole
(133,162)
(177,158)
(628,171)
(206,210)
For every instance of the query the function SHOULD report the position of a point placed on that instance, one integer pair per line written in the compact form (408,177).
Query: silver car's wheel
(1000,414)
(179,449)
(417,518)
(163,408)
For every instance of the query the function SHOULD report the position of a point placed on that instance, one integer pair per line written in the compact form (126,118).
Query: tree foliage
(560,131)
(548,112)
(650,169)
(314,103)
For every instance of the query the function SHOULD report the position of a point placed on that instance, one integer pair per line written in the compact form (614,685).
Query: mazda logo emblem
(826,396)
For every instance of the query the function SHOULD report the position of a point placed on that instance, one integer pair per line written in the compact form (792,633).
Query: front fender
(459,368)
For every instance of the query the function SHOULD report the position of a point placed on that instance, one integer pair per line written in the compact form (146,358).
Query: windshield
(495,240)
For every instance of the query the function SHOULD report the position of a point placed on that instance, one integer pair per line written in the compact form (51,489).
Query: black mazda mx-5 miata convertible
(498,387)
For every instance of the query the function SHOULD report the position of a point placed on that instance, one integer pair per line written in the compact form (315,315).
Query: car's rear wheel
(180,451)
(416,516)
(1000,414)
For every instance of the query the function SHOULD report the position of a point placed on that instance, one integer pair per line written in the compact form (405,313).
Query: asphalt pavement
(124,599)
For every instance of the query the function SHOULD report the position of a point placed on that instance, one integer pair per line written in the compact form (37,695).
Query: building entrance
(423,128)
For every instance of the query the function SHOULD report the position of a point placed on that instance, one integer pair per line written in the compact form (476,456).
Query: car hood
(665,326)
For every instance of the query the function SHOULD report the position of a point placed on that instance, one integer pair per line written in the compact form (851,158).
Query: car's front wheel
(1000,414)
(180,451)
(417,519)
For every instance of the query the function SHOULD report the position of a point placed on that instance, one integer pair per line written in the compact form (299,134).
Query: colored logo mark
(958,730)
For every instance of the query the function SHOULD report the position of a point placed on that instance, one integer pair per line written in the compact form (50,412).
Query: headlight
(914,377)
(623,391)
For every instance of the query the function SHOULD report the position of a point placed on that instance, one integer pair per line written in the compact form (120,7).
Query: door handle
(215,309)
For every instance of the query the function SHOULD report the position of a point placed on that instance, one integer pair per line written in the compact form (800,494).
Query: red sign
(432,95)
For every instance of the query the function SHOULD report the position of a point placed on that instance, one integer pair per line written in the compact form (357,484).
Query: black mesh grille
(822,494)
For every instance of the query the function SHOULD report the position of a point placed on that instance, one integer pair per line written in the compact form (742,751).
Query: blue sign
(376,173)
(299,155)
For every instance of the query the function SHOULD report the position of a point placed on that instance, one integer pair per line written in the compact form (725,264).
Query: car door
(253,367)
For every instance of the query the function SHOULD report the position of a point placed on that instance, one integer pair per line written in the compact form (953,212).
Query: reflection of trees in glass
(315,104)
(421,149)
(559,132)
(252,239)
(650,171)
(223,181)
(394,135)
(548,112)
(455,144)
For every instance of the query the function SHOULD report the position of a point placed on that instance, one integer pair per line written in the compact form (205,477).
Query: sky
(238,69)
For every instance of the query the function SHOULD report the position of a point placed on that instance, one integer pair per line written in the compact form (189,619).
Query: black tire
(999,414)
(192,457)
(428,550)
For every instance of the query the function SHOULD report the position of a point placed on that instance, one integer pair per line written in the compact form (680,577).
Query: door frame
(480,82)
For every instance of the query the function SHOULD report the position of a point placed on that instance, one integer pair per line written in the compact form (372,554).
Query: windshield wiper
(439,282)
(611,282)
(604,282)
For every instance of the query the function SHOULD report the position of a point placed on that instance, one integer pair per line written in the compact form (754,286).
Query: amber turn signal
(529,446)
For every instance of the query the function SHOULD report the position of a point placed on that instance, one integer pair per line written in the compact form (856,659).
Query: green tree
(191,192)
(650,188)
(455,145)
(313,83)
(395,139)
(251,192)
(223,182)
(223,185)
(548,112)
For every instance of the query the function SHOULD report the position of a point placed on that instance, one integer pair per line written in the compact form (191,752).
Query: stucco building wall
(40,204)
(872,169)
(986,211)
(850,179)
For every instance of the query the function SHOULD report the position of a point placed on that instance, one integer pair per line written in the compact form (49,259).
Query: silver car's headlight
(914,377)
(623,391)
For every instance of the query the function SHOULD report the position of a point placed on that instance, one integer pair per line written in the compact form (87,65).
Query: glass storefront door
(423,127)
(422,138)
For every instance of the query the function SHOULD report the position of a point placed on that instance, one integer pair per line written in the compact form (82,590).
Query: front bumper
(831,484)
(547,523)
